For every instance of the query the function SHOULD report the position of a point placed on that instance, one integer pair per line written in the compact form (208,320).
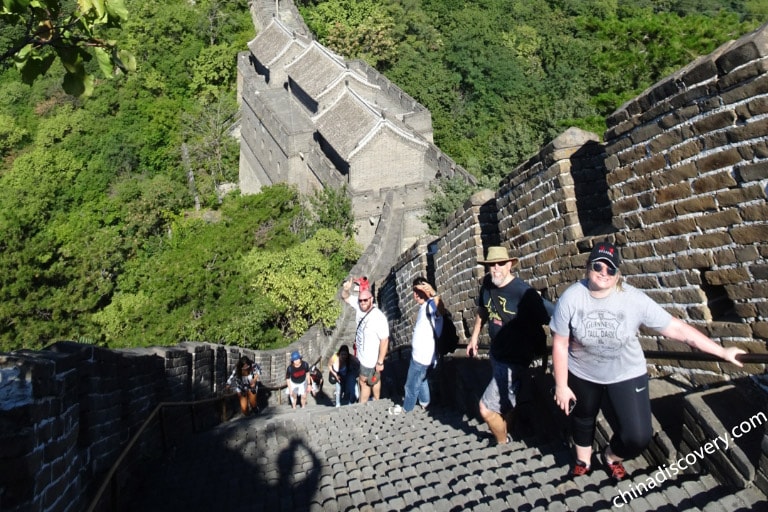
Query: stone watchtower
(312,119)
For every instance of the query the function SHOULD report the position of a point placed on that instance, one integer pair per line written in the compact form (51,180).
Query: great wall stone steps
(364,457)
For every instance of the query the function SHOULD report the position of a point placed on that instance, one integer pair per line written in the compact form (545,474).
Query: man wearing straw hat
(515,314)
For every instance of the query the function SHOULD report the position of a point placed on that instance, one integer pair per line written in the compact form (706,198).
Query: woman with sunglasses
(596,351)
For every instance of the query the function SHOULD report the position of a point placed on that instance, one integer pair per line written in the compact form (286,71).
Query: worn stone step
(363,457)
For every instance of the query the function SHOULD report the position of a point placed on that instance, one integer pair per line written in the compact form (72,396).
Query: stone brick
(632,155)
(696,204)
(743,310)
(755,212)
(677,227)
(710,240)
(637,251)
(625,204)
(673,192)
(736,196)
(695,260)
(754,171)
(725,257)
(759,271)
(741,83)
(749,234)
(749,131)
(714,122)
(675,280)
(619,175)
(727,276)
(670,246)
(715,141)
(647,281)
(643,235)
(719,160)
(720,219)
(699,313)
(688,296)
(649,165)
(760,329)
(684,151)
(718,181)
(660,214)
(757,106)
(665,141)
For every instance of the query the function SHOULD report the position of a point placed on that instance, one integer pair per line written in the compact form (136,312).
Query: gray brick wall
(67,412)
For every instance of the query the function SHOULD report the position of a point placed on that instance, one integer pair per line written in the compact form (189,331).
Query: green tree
(302,281)
(212,151)
(361,29)
(43,31)
(331,208)
(448,196)
(11,135)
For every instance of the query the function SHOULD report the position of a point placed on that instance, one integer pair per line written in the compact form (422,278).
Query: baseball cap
(607,252)
(295,356)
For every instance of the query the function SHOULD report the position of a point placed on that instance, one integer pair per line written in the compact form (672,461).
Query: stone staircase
(365,457)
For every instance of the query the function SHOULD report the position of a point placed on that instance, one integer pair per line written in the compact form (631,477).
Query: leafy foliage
(43,31)
(101,237)
(303,280)
(359,28)
(331,208)
(448,196)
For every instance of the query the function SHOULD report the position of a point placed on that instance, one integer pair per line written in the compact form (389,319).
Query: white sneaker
(395,410)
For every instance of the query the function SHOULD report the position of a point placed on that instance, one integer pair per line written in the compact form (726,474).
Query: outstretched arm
(681,331)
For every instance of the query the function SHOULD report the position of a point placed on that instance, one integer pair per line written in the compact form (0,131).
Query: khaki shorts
(501,394)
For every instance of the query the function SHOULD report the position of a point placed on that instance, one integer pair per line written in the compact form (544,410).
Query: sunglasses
(598,267)
(362,301)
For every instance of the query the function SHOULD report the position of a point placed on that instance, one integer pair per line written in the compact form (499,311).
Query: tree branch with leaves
(43,31)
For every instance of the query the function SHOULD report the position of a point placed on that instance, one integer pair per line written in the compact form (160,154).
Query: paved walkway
(363,457)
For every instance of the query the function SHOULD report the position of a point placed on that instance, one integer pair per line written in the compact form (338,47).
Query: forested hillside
(114,228)
(504,77)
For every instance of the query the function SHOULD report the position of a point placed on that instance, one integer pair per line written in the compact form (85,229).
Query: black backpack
(448,341)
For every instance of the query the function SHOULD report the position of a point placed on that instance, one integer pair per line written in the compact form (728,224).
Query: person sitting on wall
(245,381)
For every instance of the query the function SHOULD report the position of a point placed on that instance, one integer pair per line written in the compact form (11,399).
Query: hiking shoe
(616,470)
(580,469)
(493,442)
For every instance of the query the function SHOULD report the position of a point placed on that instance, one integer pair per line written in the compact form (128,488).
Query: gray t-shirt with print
(603,345)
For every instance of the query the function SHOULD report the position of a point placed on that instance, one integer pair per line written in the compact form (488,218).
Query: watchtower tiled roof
(316,69)
(275,43)
(351,121)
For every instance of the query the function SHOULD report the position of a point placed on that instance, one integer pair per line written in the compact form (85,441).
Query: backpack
(448,341)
